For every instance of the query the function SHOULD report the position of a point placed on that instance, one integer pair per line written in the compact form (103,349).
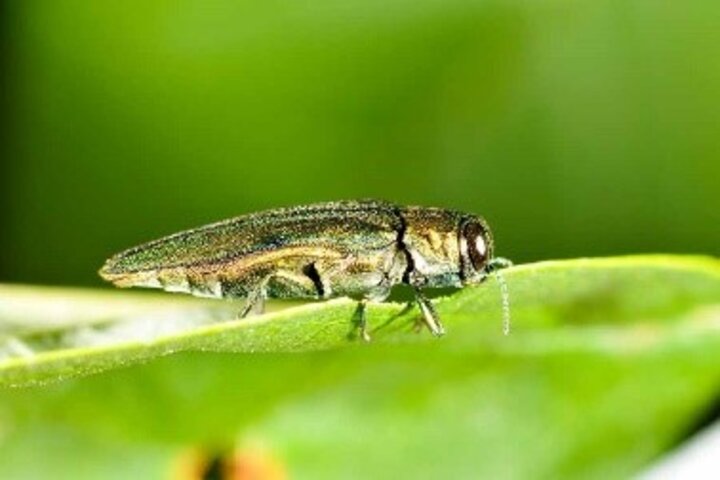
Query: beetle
(355,248)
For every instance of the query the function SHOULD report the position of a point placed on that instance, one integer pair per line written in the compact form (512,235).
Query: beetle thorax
(434,251)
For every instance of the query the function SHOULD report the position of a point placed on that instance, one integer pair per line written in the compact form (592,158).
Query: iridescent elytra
(358,249)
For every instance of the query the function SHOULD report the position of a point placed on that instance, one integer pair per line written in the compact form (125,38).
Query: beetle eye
(477,245)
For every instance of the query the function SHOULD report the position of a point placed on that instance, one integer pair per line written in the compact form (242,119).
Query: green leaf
(51,334)
(609,363)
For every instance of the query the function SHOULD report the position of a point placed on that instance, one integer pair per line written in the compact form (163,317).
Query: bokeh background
(578,128)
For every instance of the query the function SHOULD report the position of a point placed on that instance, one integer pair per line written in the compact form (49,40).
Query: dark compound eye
(478,244)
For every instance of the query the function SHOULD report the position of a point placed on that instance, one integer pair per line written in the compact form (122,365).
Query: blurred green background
(576,127)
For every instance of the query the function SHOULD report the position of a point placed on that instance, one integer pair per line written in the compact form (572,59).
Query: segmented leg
(362,320)
(430,316)
(280,284)
(255,302)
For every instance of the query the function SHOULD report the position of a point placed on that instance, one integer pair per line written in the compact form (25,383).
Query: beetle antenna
(495,265)
(505,295)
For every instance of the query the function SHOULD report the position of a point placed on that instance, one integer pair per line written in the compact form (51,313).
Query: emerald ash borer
(358,249)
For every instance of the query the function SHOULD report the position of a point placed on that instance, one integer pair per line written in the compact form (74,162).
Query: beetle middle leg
(360,318)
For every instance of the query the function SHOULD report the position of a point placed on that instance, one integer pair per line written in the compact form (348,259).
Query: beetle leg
(361,320)
(255,302)
(289,284)
(430,316)
(418,323)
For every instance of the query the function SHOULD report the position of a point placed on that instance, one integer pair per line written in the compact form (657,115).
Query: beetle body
(358,249)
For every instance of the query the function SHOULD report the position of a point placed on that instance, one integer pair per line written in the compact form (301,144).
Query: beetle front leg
(430,316)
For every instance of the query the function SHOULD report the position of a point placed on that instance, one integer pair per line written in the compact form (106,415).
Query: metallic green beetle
(358,249)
